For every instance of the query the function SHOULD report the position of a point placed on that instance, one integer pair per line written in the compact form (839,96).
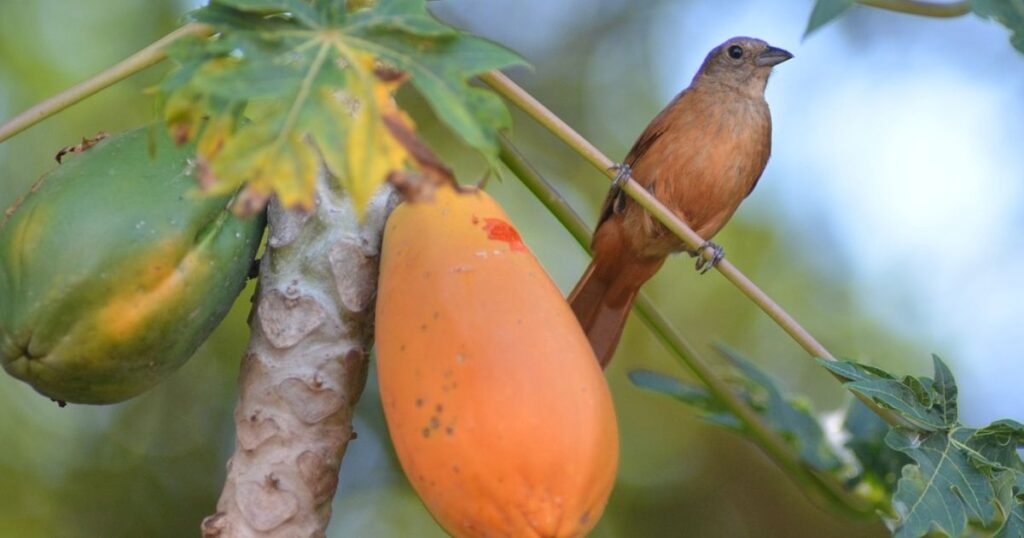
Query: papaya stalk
(304,369)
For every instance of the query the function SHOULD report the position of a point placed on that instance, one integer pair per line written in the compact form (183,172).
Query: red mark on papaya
(499,230)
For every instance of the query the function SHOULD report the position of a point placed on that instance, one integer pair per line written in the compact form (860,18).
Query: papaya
(496,406)
(113,270)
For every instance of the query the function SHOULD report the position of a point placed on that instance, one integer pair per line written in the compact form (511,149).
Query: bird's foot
(623,173)
(704,264)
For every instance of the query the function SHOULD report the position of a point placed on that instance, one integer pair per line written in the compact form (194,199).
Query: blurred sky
(897,154)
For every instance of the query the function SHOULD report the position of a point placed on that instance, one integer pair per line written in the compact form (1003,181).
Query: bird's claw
(623,173)
(704,264)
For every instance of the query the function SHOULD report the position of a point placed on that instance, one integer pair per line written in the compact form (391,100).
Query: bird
(701,156)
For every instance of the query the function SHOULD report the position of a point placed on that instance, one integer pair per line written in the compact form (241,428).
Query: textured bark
(304,369)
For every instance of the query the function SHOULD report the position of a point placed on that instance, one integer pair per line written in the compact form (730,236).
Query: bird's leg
(704,264)
(623,173)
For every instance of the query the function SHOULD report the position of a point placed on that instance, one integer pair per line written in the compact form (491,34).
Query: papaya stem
(305,367)
(148,56)
(529,104)
(826,486)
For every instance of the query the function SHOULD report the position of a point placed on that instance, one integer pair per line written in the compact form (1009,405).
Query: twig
(521,98)
(152,54)
(917,7)
(828,488)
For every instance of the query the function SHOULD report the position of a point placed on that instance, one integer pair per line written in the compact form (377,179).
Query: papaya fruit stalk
(304,369)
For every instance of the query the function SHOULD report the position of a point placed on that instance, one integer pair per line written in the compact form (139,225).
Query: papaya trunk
(304,369)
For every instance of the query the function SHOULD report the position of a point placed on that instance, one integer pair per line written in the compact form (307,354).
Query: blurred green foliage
(153,466)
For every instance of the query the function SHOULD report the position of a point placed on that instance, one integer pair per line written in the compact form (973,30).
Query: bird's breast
(709,157)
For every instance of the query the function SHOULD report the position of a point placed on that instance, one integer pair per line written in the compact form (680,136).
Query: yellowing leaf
(183,113)
(372,152)
(315,82)
(215,133)
(286,166)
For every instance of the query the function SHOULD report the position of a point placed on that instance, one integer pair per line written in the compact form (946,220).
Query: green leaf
(944,387)
(825,11)
(1009,13)
(939,476)
(880,465)
(996,445)
(954,478)
(994,450)
(713,409)
(943,490)
(922,402)
(409,15)
(315,83)
(657,382)
(297,9)
(958,477)
(1014,502)
(788,416)
(438,70)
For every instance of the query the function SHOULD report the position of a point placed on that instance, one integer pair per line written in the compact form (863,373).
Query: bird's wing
(613,203)
(764,153)
(616,199)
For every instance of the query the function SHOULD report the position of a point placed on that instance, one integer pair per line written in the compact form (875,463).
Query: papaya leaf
(996,445)
(880,465)
(928,405)
(938,476)
(712,408)
(1013,495)
(788,416)
(1009,13)
(994,449)
(824,12)
(945,389)
(944,489)
(953,478)
(287,84)
(297,9)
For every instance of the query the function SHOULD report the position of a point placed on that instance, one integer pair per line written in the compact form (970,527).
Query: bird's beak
(772,56)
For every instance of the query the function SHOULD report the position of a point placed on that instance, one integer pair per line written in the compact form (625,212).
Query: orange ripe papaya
(496,405)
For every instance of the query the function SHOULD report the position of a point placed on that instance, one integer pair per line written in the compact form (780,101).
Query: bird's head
(743,63)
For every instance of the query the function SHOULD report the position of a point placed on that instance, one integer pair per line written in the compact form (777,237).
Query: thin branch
(152,54)
(522,99)
(917,7)
(828,487)
(539,112)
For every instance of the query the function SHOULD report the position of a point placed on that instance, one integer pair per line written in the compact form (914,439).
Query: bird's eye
(735,52)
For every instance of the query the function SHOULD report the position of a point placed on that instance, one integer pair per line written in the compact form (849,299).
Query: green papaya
(113,270)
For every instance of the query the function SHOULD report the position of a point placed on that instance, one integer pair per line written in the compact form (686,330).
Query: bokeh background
(888,221)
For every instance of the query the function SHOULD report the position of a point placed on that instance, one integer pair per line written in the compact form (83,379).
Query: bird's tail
(604,296)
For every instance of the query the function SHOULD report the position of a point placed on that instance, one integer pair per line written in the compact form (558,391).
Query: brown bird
(700,156)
